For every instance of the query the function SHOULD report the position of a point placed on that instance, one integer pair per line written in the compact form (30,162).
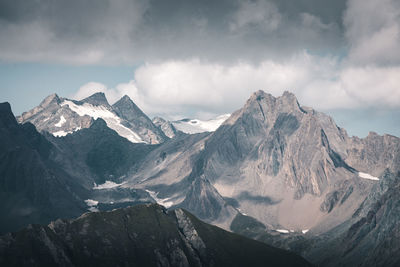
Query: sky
(201,58)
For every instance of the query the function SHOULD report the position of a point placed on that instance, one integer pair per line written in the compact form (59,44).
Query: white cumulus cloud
(194,87)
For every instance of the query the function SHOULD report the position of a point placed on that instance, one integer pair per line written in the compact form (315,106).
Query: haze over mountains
(274,170)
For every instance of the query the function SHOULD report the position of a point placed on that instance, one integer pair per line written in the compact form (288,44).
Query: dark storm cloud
(93,31)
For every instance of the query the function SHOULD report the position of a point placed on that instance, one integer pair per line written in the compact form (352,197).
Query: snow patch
(106,185)
(305,231)
(162,201)
(61,122)
(91,202)
(368,176)
(111,119)
(283,231)
(241,212)
(61,133)
(198,126)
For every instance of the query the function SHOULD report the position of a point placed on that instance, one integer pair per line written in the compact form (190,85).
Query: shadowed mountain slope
(144,235)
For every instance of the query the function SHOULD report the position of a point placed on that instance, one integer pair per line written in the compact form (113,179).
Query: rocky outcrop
(374,153)
(203,200)
(166,126)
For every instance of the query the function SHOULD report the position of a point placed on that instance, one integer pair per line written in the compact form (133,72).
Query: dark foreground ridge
(143,235)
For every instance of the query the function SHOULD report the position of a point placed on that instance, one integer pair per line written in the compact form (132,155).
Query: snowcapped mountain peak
(100,111)
(62,116)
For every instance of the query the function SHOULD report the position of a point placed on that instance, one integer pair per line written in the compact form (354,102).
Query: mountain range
(274,171)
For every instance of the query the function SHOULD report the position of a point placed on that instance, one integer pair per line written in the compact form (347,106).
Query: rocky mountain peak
(289,99)
(97,99)
(99,124)
(51,99)
(5,107)
(260,95)
(269,104)
(128,108)
(126,99)
(6,116)
(51,103)
(372,134)
(158,120)
(264,109)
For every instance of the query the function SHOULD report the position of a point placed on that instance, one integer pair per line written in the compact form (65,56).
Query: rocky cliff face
(138,236)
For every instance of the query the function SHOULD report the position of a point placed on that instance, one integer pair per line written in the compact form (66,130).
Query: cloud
(263,15)
(373,31)
(373,86)
(72,32)
(131,31)
(194,87)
